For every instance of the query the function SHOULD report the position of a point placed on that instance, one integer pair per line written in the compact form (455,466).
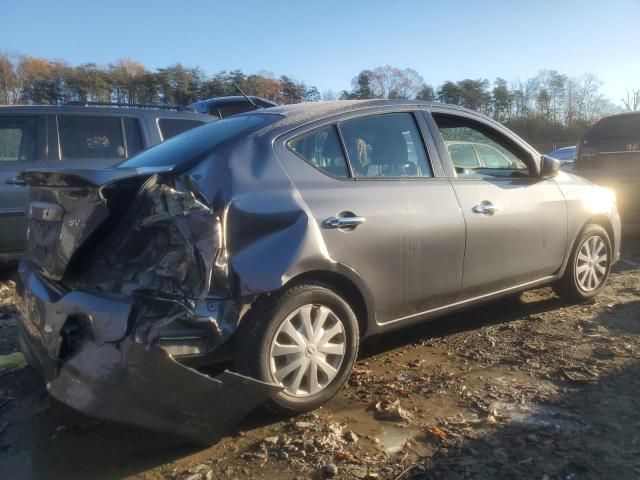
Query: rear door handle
(485,208)
(18,180)
(343,222)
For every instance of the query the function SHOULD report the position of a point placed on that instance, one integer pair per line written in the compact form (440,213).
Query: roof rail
(80,103)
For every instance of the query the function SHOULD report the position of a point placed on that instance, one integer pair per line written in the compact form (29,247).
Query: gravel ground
(525,387)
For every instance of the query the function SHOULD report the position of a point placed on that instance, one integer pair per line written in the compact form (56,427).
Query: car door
(385,216)
(22,146)
(516,222)
(95,141)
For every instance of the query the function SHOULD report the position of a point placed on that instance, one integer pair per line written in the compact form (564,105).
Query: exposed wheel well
(345,288)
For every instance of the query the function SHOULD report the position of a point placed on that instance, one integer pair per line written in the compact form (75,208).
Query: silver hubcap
(307,350)
(591,264)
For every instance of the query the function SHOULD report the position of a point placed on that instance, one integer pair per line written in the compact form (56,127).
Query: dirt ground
(525,387)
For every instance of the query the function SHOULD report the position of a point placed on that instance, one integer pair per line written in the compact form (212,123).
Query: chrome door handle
(343,222)
(485,208)
(16,181)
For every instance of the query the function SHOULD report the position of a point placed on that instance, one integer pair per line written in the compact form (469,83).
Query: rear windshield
(615,134)
(194,144)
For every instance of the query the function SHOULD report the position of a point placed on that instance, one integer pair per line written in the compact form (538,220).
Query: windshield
(194,144)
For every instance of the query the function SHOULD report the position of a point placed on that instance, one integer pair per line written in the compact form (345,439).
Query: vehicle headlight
(600,200)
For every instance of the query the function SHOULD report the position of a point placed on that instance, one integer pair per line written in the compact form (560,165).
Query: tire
(265,334)
(575,284)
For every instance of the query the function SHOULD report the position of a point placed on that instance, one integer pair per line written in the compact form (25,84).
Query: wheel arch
(348,285)
(597,219)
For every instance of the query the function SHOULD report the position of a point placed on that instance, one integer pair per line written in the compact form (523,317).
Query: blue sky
(327,43)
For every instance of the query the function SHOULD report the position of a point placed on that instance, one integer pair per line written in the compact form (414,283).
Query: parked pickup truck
(72,137)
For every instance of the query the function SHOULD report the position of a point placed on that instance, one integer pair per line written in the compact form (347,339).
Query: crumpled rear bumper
(108,375)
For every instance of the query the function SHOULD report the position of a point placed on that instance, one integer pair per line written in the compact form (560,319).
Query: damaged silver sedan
(272,242)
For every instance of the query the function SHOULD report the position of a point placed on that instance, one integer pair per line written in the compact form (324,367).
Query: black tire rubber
(567,287)
(253,340)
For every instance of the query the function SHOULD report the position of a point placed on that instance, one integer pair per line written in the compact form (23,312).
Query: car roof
(105,111)
(230,99)
(301,113)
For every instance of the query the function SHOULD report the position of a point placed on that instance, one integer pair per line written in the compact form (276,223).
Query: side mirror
(549,166)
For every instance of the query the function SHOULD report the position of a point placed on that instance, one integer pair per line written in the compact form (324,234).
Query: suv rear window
(17,139)
(195,144)
(90,137)
(170,127)
(233,108)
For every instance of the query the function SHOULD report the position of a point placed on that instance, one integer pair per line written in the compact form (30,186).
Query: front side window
(492,157)
(478,151)
(385,146)
(90,137)
(463,155)
(322,149)
(17,139)
(170,127)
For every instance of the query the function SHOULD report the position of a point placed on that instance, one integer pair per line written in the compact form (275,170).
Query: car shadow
(496,312)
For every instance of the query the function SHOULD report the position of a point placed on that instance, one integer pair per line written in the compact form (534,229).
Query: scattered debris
(391,411)
(523,388)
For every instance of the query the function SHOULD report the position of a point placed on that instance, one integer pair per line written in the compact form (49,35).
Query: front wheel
(588,267)
(304,339)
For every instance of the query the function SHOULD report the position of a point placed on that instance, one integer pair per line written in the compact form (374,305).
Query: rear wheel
(304,339)
(589,265)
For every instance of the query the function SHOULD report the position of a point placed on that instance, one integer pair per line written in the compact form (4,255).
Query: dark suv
(609,155)
(71,137)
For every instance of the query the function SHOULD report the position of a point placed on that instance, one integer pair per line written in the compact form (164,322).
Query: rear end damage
(126,279)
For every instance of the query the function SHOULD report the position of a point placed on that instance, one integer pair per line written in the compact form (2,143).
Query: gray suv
(274,241)
(71,137)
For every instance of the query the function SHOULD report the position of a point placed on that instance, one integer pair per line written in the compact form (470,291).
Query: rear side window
(132,136)
(387,146)
(322,149)
(170,127)
(17,139)
(90,137)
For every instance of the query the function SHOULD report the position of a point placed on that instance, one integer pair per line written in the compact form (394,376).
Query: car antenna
(245,96)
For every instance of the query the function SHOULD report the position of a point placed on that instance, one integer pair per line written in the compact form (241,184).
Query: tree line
(548,109)
(35,81)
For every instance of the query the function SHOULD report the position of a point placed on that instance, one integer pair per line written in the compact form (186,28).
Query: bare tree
(392,82)
(632,101)
(328,95)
